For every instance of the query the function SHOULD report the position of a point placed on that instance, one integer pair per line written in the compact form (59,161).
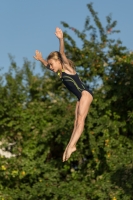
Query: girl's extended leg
(83,109)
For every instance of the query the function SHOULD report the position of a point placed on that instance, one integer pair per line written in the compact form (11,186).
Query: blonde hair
(57,56)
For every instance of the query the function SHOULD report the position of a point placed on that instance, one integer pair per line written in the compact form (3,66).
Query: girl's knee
(80,119)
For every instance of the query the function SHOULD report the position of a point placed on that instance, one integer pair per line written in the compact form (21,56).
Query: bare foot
(68,153)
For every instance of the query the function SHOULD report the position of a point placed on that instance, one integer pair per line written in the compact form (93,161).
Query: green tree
(37,115)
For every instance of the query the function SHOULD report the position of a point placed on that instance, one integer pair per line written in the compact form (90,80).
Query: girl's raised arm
(59,35)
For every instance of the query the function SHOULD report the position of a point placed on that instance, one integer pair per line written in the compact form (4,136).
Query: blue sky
(27,25)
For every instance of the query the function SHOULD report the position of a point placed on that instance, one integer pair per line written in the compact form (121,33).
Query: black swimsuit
(74,84)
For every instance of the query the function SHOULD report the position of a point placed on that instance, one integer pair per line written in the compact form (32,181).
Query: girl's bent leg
(75,121)
(75,124)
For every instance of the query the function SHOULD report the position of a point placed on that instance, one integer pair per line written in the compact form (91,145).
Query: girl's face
(55,65)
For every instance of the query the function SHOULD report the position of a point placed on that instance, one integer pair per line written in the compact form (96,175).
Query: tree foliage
(37,116)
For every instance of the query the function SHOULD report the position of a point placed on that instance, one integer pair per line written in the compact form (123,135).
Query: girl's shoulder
(68,69)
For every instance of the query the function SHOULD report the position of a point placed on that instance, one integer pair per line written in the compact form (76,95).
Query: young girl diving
(59,63)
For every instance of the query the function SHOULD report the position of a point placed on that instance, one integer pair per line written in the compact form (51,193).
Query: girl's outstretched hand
(58,33)
(38,55)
